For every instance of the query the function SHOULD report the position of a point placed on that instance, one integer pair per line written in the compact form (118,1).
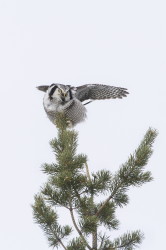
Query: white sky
(121,43)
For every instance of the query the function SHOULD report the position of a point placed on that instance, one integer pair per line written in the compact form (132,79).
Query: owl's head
(57,92)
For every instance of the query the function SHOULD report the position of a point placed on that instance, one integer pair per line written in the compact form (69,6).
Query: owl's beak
(62,98)
(63,95)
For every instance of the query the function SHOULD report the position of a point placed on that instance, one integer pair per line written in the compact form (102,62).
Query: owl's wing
(99,92)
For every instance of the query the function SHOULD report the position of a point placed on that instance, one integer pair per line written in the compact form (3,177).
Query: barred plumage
(74,111)
(99,92)
(68,100)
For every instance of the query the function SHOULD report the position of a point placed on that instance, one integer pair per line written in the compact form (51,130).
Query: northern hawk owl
(70,100)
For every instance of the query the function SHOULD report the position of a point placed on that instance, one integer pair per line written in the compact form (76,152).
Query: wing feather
(99,92)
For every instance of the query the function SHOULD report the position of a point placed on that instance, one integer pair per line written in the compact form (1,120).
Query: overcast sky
(120,43)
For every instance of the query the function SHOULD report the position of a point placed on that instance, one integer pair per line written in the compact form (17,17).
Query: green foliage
(128,241)
(70,185)
(76,244)
(46,217)
(101,182)
(131,173)
(88,224)
(107,215)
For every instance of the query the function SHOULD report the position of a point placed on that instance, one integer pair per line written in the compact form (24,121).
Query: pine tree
(73,188)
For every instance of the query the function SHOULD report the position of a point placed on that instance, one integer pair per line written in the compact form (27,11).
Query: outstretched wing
(99,92)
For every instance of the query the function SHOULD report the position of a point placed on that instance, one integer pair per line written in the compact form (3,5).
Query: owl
(71,101)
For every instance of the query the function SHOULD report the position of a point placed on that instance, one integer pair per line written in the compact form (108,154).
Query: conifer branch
(103,205)
(59,240)
(78,197)
(87,172)
(125,242)
(128,241)
(46,217)
(62,244)
(77,228)
(102,241)
(94,235)
(94,240)
(131,173)
(109,198)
